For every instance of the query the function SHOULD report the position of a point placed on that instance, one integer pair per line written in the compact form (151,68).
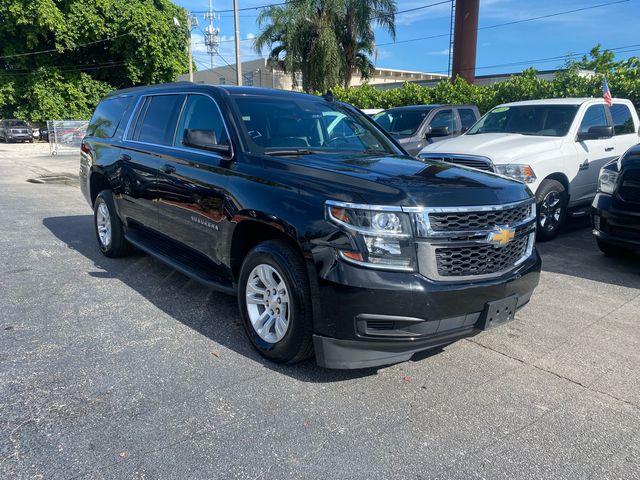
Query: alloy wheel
(267,300)
(103,224)
(551,211)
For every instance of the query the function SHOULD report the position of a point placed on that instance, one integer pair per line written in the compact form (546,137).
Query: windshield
(401,121)
(307,125)
(540,120)
(15,123)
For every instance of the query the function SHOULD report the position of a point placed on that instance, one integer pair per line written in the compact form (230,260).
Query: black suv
(333,238)
(615,212)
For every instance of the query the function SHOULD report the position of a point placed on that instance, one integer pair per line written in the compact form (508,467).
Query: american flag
(606,93)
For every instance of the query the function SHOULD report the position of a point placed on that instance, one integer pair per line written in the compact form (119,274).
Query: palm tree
(301,37)
(357,39)
(326,40)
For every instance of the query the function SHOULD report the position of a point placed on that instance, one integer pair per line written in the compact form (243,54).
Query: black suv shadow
(173,293)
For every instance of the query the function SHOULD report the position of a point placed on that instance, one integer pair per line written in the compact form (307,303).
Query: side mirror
(596,132)
(437,132)
(464,129)
(204,139)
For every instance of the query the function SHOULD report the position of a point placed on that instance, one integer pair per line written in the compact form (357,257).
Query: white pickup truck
(556,146)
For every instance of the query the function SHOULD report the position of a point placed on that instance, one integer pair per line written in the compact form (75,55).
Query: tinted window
(107,117)
(444,118)
(201,113)
(622,120)
(595,116)
(158,123)
(401,121)
(539,120)
(467,117)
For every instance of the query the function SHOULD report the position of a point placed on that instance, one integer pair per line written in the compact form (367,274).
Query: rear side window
(157,120)
(201,113)
(467,117)
(107,117)
(593,117)
(622,119)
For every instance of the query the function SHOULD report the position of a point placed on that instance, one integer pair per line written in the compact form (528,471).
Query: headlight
(523,173)
(382,234)
(607,181)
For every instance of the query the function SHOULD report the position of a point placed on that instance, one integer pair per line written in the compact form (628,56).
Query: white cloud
(444,51)
(226,50)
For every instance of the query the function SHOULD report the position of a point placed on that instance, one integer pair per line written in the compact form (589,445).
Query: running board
(163,252)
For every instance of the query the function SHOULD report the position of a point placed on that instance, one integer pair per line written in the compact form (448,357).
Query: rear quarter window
(107,117)
(622,119)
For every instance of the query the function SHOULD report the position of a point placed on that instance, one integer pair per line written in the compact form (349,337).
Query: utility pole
(189,47)
(236,22)
(465,40)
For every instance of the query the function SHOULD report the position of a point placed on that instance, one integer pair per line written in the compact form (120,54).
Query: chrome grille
(474,243)
(479,259)
(481,163)
(478,220)
(629,189)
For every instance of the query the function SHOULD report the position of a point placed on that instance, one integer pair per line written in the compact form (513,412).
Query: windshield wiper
(375,151)
(290,151)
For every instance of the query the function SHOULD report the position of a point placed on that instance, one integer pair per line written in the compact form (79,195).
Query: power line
(623,49)
(514,22)
(67,48)
(64,69)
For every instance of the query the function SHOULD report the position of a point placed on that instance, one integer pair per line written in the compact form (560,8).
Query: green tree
(90,47)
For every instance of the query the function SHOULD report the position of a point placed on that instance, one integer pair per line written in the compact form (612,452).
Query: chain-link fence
(65,134)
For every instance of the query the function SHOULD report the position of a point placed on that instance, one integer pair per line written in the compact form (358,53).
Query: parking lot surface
(127,369)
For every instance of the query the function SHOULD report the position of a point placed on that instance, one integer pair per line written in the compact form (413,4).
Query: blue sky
(613,26)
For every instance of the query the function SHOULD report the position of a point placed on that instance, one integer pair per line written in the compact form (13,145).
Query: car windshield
(539,120)
(15,123)
(299,125)
(401,121)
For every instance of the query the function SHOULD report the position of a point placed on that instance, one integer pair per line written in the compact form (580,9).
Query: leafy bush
(623,78)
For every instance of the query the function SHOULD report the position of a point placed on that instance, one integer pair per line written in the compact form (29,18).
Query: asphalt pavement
(124,368)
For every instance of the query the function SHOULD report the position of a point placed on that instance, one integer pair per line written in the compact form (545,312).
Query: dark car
(15,131)
(333,238)
(417,126)
(615,212)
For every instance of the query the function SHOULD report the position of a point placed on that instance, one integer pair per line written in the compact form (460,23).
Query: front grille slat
(460,221)
(629,189)
(480,163)
(479,259)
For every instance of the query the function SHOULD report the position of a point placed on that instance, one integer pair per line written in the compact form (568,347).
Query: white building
(259,73)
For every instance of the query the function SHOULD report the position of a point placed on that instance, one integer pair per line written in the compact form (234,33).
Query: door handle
(608,149)
(168,169)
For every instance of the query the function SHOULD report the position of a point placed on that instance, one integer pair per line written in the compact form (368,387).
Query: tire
(280,262)
(108,227)
(611,250)
(552,200)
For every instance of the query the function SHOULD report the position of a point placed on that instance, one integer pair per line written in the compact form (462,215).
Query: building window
(222,81)
(247,79)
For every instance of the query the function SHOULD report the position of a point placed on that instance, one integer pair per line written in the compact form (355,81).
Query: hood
(500,148)
(395,180)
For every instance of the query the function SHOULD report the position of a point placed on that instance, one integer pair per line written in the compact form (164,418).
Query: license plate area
(499,312)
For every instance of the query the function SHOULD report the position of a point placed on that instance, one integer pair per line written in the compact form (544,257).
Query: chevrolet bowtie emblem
(501,236)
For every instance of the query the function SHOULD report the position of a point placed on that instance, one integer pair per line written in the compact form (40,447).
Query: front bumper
(371,318)
(19,137)
(614,225)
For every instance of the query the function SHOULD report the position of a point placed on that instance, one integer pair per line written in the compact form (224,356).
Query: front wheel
(552,200)
(274,299)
